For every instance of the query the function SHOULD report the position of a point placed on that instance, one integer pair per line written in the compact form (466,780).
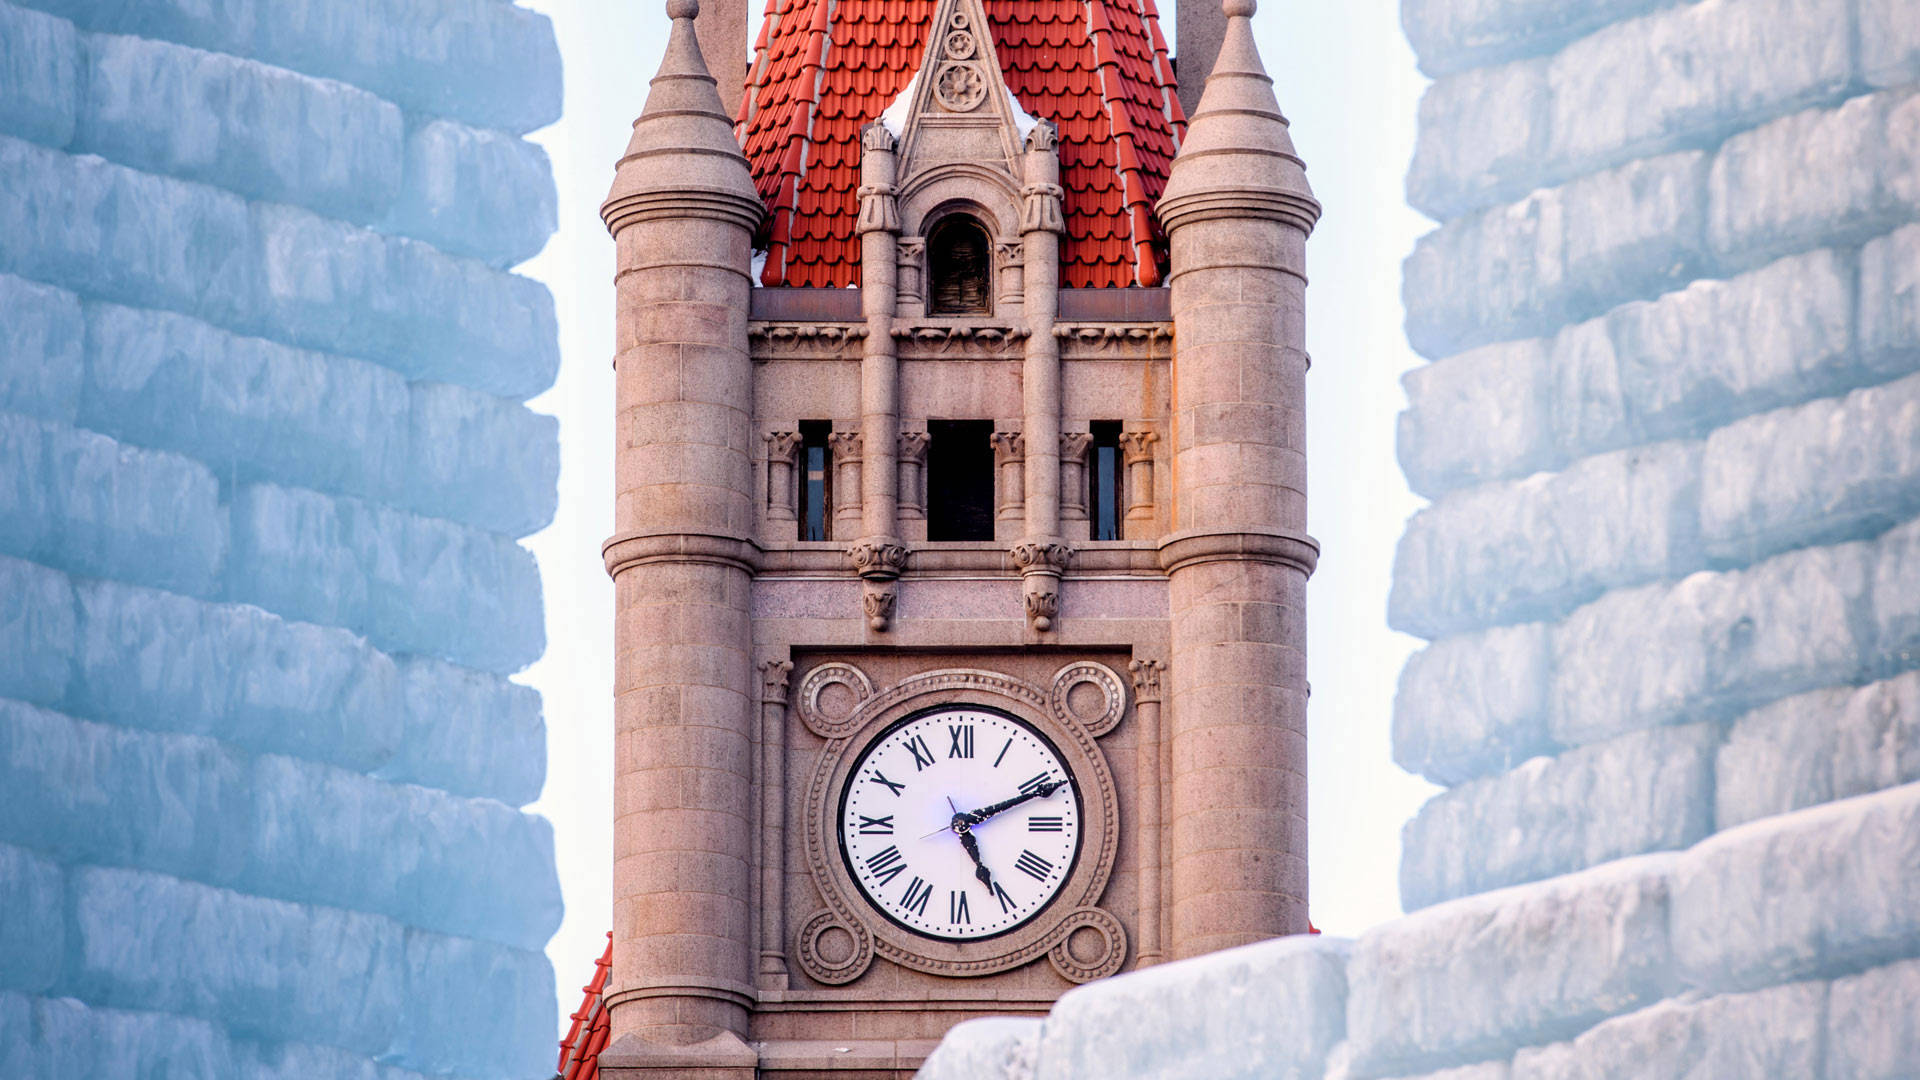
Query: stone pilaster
(913,471)
(774,676)
(1073,478)
(879,557)
(1237,210)
(1010,494)
(1146,711)
(845,449)
(783,450)
(682,213)
(1136,449)
(1041,225)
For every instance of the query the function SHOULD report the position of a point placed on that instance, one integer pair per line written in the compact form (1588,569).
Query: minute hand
(975,817)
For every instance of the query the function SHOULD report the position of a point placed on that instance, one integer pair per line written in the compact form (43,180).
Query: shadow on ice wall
(262,466)
(1671,573)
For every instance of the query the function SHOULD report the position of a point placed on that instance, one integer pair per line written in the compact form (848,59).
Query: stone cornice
(621,211)
(633,549)
(1288,208)
(1194,546)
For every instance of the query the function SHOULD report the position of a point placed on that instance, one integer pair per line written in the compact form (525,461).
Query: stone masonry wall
(1670,573)
(263,462)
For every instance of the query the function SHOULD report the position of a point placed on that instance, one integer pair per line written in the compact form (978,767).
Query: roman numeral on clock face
(962,737)
(1036,783)
(1033,866)
(922,753)
(1038,823)
(887,864)
(916,899)
(882,826)
(879,777)
(1007,903)
(957,913)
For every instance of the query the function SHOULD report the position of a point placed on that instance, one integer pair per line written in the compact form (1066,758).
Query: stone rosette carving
(830,699)
(1054,928)
(1099,709)
(1094,946)
(960,87)
(833,950)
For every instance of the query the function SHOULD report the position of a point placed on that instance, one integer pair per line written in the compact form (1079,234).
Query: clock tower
(960,557)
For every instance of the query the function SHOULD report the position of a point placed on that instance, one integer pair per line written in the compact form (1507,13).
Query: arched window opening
(959,269)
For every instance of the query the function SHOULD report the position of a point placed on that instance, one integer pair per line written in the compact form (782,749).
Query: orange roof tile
(580,1050)
(1098,69)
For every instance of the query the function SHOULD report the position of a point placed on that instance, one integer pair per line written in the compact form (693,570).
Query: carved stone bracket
(1041,563)
(833,950)
(1090,695)
(878,559)
(830,696)
(877,599)
(1093,947)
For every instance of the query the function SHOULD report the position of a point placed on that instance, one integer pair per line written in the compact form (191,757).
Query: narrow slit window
(960,268)
(1105,480)
(816,479)
(960,480)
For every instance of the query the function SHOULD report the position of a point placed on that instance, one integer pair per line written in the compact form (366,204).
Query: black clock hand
(1040,792)
(972,845)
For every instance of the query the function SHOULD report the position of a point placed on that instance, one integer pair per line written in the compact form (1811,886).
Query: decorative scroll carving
(833,950)
(783,449)
(1110,335)
(1099,709)
(1146,680)
(1093,947)
(878,560)
(1041,556)
(1050,930)
(829,712)
(1041,563)
(788,339)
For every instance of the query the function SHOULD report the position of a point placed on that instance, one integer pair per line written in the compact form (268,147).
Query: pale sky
(1345,77)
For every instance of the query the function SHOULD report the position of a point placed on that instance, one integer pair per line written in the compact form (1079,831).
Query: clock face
(909,858)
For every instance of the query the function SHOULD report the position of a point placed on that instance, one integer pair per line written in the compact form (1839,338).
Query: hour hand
(972,845)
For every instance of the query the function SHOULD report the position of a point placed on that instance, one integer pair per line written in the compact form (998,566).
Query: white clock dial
(904,850)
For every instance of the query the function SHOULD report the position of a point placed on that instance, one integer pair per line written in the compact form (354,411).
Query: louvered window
(959,268)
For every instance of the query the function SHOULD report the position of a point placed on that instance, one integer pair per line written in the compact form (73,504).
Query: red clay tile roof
(580,1050)
(1097,68)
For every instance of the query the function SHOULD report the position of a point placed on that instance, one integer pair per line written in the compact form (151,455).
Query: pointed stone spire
(1238,159)
(683,157)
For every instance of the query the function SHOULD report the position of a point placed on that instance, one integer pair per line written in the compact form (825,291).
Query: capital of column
(878,558)
(844,445)
(1137,446)
(774,676)
(913,447)
(1008,447)
(1146,680)
(1074,446)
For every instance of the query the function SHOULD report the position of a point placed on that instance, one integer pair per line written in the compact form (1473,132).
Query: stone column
(682,213)
(911,297)
(1237,210)
(783,448)
(844,448)
(913,464)
(878,556)
(1009,460)
(1136,449)
(1073,478)
(1041,225)
(1146,711)
(773,823)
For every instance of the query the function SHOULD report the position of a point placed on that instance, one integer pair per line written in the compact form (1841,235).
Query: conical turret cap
(1237,159)
(683,158)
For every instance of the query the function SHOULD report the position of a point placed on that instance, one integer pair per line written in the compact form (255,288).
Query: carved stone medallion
(960,87)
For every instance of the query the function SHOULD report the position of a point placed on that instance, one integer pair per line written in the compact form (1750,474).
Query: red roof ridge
(580,1050)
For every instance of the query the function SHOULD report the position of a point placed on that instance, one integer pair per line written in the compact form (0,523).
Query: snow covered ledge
(1273,1009)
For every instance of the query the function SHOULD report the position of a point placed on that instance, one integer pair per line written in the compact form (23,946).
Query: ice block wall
(264,459)
(1670,575)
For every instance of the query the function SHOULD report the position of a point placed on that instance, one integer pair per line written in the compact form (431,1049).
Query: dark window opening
(1105,481)
(960,480)
(816,479)
(959,268)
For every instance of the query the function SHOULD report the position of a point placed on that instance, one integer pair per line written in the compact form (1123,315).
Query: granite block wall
(1669,576)
(264,462)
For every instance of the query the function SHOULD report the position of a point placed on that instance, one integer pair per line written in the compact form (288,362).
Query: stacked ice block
(264,459)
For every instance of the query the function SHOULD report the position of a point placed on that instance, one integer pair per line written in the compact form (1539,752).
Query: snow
(894,116)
